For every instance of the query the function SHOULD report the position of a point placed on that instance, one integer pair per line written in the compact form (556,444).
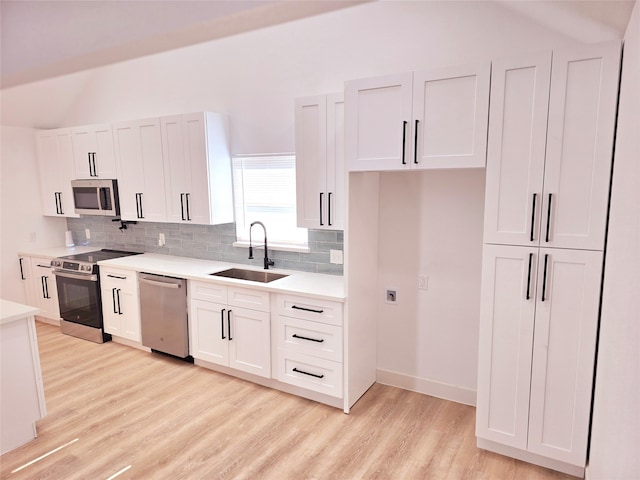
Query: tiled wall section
(210,242)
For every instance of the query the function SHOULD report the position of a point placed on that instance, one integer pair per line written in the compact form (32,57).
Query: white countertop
(53,252)
(316,285)
(12,311)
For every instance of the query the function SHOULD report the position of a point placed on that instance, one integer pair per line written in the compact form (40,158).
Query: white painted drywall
(21,222)
(615,435)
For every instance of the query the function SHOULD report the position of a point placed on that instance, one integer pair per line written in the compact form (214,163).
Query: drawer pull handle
(306,309)
(307,373)
(116,276)
(295,335)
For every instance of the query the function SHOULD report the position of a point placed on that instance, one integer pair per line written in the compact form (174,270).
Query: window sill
(275,246)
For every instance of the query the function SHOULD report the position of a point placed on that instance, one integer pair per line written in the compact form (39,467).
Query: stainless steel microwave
(96,197)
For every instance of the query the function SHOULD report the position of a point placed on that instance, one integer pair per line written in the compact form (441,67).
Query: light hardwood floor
(170,420)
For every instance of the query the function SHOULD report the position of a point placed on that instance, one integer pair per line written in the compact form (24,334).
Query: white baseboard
(445,391)
(50,321)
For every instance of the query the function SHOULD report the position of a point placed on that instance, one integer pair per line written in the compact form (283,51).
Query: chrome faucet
(267,262)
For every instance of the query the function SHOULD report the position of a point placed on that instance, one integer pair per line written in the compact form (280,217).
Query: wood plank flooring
(165,419)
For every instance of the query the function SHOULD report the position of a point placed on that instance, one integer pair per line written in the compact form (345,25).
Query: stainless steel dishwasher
(163,314)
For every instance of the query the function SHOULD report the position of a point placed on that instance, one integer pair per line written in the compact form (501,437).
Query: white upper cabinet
(582,118)
(93,152)
(140,167)
(548,180)
(421,120)
(516,149)
(56,170)
(320,161)
(450,114)
(197,168)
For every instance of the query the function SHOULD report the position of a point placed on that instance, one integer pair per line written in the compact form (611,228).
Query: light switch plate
(335,256)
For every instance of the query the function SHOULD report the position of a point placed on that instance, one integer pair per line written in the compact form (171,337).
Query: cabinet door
(45,288)
(208,331)
(250,341)
(568,296)
(506,336)
(378,129)
(335,162)
(111,317)
(450,115)
(140,167)
(93,151)
(582,116)
(186,175)
(56,170)
(516,149)
(130,313)
(311,161)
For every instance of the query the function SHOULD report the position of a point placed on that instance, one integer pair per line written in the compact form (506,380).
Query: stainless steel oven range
(78,281)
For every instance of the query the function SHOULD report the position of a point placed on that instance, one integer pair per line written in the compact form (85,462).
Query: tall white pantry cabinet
(549,154)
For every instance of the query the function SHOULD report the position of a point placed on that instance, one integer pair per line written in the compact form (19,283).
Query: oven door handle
(77,276)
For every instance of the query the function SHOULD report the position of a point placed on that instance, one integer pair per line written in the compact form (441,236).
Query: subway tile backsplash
(209,242)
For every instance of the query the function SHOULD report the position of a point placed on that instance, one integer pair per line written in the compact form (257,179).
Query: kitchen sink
(250,275)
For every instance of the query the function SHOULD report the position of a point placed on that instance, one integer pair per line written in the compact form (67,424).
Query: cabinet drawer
(313,373)
(249,298)
(208,291)
(310,309)
(122,278)
(309,338)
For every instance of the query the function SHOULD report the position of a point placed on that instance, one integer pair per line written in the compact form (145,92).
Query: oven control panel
(72,266)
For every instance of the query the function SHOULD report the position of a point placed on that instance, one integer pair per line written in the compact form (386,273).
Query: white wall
(21,222)
(431,223)
(615,436)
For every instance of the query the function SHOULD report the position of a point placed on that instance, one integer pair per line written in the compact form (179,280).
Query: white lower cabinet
(231,326)
(538,329)
(40,286)
(120,303)
(309,344)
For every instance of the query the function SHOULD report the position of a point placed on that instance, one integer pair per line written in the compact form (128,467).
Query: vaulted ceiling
(41,39)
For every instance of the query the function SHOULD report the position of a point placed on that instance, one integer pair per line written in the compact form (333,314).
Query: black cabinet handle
(58,196)
(139,213)
(45,287)
(329,208)
(307,373)
(89,158)
(229,324)
(93,158)
(529,276)
(404,140)
(118,295)
(544,278)
(21,269)
(321,223)
(548,218)
(415,144)
(533,215)
(222,323)
(182,205)
(295,335)
(116,276)
(113,297)
(187,202)
(306,309)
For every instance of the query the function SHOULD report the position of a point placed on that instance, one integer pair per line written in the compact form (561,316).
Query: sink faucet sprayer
(267,261)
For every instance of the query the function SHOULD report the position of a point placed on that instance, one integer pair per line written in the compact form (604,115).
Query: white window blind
(265,190)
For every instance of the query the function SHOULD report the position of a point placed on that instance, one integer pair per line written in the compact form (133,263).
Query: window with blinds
(265,190)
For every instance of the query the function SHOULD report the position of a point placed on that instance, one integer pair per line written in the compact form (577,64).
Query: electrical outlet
(87,233)
(423,282)
(391,296)
(335,256)
(161,240)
